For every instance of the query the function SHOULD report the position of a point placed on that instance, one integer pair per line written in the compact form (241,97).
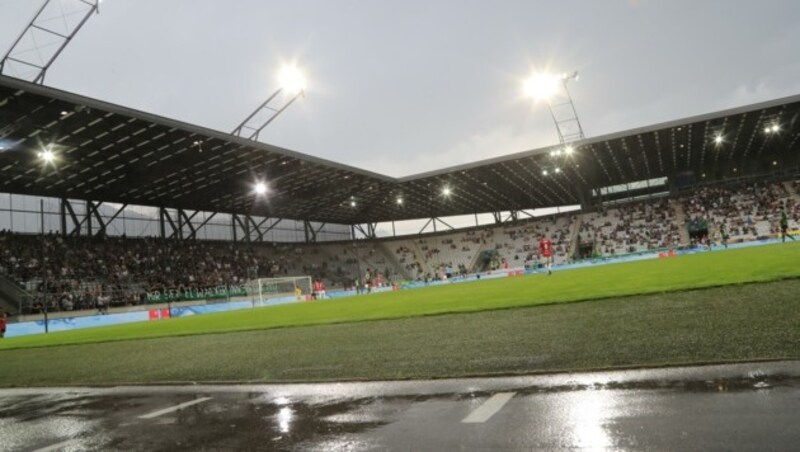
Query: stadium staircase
(391,259)
(680,219)
(476,264)
(11,295)
(574,236)
(790,189)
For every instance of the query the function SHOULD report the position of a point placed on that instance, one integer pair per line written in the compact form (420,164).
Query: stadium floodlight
(399,201)
(775,128)
(557,170)
(47,155)
(446,191)
(352,203)
(542,86)
(718,139)
(544,173)
(553,89)
(569,150)
(260,188)
(291,80)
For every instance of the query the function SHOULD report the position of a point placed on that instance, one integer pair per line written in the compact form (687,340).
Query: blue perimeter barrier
(73,323)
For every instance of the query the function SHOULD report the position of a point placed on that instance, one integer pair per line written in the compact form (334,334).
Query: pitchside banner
(196,293)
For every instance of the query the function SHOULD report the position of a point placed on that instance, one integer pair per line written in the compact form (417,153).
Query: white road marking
(488,408)
(174,408)
(57,446)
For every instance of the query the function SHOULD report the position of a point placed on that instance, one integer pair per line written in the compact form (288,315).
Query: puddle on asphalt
(262,421)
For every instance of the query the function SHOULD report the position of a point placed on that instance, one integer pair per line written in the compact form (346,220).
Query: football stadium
(148,255)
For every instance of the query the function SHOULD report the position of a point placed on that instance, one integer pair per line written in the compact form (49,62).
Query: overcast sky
(402,87)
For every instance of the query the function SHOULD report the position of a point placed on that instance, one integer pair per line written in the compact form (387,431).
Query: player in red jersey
(319,290)
(2,324)
(546,253)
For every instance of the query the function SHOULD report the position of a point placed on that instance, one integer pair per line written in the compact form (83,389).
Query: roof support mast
(562,109)
(292,85)
(251,127)
(47,34)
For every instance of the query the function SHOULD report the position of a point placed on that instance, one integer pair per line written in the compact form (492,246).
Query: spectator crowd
(98,273)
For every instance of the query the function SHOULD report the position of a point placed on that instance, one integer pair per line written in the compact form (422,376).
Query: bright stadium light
(718,139)
(352,203)
(446,191)
(557,170)
(292,80)
(399,201)
(775,128)
(260,188)
(569,150)
(47,155)
(542,86)
(544,173)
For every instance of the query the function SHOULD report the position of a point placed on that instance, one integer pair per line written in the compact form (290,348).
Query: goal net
(264,289)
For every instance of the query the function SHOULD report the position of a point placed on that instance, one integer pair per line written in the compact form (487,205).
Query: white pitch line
(174,408)
(488,408)
(56,446)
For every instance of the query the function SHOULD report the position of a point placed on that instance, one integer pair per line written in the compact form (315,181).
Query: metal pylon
(47,34)
(564,114)
(263,115)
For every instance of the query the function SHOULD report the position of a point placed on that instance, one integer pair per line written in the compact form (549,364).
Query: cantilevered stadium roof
(112,153)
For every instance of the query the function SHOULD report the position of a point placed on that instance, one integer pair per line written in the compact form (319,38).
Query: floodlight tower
(47,34)
(553,89)
(293,84)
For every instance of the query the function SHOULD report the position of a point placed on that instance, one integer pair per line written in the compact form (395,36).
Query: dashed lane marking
(488,408)
(174,408)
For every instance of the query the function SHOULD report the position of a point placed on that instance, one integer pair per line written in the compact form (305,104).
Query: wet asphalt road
(737,407)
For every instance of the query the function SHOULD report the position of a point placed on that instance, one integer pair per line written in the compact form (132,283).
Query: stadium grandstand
(105,206)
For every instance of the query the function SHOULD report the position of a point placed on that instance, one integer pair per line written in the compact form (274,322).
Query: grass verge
(747,322)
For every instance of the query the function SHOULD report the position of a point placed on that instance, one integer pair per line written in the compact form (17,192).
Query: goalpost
(263,289)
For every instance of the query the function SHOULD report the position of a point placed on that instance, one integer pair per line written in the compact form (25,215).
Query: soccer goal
(264,289)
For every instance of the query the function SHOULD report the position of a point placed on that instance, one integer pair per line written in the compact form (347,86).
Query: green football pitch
(458,329)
